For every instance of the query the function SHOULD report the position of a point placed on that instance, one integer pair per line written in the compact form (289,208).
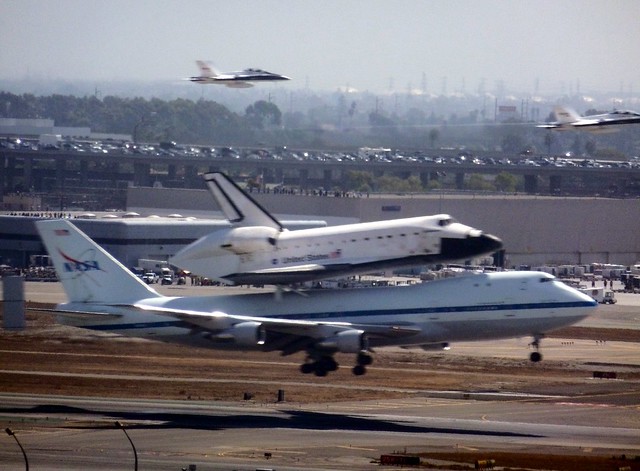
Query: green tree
(478,183)
(263,114)
(513,143)
(505,182)
(359,181)
(393,184)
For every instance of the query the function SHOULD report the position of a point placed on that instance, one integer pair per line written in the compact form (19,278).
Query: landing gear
(363,359)
(323,364)
(320,366)
(536,356)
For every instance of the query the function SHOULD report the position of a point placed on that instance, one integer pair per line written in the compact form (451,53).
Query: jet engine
(428,347)
(246,334)
(347,341)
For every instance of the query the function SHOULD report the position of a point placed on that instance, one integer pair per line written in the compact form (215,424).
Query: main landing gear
(322,364)
(536,356)
(363,359)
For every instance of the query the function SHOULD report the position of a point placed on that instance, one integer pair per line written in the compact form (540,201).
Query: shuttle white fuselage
(257,250)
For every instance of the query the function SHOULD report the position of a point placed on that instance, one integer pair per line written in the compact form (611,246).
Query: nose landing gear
(536,356)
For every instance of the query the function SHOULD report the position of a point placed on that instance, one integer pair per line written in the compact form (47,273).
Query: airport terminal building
(535,230)
(127,237)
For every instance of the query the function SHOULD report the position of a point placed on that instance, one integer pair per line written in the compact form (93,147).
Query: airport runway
(67,433)
(79,433)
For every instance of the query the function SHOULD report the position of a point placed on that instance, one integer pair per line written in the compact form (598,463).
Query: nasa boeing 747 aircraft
(241,79)
(258,250)
(104,296)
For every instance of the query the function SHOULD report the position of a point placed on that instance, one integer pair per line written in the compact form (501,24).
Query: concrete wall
(535,230)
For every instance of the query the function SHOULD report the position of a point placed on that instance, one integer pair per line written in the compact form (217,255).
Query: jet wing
(587,122)
(286,335)
(76,314)
(616,121)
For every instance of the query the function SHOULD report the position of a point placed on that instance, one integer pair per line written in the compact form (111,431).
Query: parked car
(167,280)
(149,278)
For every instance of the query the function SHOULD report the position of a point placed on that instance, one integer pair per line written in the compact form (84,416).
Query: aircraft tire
(535,357)
(359,370)
(307,368)
(320,371)
(327,363)
(364,359)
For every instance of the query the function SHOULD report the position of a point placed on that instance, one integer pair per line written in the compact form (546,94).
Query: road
(79,433)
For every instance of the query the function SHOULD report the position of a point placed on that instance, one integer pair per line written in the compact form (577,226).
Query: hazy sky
(325,44)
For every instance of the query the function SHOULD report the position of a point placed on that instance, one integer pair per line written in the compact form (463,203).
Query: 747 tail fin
(237,206)
(87,272)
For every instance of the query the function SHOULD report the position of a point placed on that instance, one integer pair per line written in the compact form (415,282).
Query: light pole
(135,453)
(11,433)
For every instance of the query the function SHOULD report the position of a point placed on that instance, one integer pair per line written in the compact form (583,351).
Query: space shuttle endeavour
(258,250)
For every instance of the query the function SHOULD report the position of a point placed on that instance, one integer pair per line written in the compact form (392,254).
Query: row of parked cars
(172,149)
(150,277)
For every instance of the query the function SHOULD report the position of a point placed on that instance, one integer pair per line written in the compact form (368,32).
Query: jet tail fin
(206,69)
(566,115)
(87,272)
(237,206)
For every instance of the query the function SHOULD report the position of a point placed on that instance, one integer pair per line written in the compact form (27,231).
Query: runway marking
(349,447)
(462,447)
(382,405)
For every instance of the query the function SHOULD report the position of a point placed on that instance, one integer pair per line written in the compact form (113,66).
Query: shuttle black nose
(471,246)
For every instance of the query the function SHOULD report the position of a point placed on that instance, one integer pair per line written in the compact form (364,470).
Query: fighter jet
(258,250)
(570,120)
(241,79)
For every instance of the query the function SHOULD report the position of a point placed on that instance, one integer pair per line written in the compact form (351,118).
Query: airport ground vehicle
(609,298)
(601,295)
(149,278)
(166,280)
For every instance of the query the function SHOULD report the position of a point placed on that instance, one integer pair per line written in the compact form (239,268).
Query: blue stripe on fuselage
(338,316)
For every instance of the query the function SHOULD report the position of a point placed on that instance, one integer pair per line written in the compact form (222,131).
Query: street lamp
(11,433)
(135,453)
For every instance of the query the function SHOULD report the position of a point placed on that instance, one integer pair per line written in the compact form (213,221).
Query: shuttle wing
(289,275)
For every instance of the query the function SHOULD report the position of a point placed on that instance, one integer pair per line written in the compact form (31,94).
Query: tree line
(200,122)
(332,124)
